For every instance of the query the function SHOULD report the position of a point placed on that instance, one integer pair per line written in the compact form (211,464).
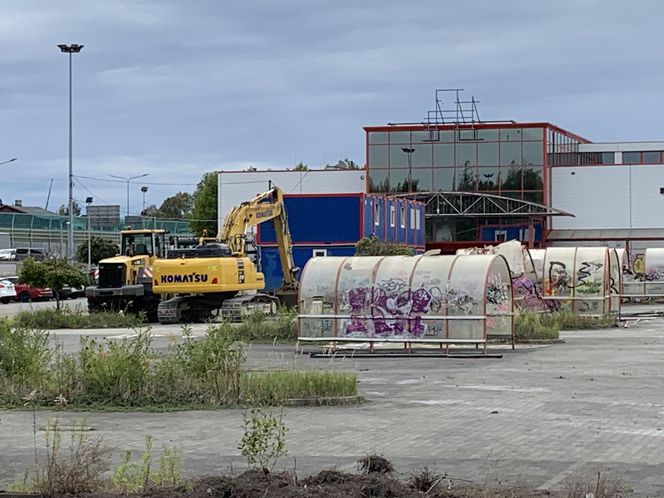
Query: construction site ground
(538,415)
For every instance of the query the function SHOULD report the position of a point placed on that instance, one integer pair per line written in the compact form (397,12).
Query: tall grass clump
(571,321)
(530,326)
(259,328)
(75,318)
(273,388)
(24,361)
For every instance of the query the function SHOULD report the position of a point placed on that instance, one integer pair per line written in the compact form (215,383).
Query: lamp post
(144,189)
(88,201)
(409,151)
(70,49)
(128,180)
(9,160)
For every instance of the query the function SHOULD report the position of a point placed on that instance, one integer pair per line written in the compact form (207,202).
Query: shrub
(373,246)
(78,470)
(263,440)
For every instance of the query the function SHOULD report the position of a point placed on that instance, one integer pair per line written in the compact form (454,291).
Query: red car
(25,293)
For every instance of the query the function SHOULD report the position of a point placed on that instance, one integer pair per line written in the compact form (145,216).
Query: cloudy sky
(178,88)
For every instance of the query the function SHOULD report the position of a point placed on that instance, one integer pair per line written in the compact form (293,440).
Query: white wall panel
(647,202)
(609,196)
(239,186)
(597,195)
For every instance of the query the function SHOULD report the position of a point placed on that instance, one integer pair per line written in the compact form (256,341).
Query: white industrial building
(239,186)
(617,197)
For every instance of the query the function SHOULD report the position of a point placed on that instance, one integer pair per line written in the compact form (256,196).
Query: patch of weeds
(530,326)
(375,464)
(425,480)
(274,387)
(78,470)
(263,440)
(134,476)
(262,329)
(24,362)
(603,486)
(75,318)
(572,321)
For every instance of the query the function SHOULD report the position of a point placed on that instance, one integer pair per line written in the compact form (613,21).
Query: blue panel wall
(319,219)
(516,232)
(271,266)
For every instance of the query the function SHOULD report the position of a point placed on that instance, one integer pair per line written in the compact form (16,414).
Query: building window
(376,212)
(642,157)
(393,216)
(417,219)
(652,157)
(500,235)
(402,217)
(631,157)
(412,218)
(319,253)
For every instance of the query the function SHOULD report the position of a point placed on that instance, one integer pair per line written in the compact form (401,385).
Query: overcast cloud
(179,88)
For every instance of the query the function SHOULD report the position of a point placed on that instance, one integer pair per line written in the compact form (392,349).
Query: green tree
(100,249)
(177,206)
(64,210)
(55,273)
(204,212)
(301,167)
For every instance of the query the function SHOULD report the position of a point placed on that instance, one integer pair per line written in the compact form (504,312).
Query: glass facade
(507,160)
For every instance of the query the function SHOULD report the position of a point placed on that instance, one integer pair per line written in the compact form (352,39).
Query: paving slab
(537,415)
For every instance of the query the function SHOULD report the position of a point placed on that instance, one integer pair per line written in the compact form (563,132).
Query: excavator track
(170,311)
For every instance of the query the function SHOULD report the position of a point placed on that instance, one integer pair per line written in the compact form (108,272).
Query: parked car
(30,252)
(7,254)
(7,291)
(72,292)
(25,293)
(21,253)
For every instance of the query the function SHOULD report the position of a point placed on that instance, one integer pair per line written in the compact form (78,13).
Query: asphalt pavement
(539,414)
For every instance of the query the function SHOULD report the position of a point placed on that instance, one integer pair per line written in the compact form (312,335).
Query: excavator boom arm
(264,207)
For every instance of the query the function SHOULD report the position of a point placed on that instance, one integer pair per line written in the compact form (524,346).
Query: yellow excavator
(197,283)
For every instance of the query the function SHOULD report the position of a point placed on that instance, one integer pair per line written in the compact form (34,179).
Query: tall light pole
(409,151)
(88,201)
(70,49)
(9,160)
(128,180)
(144,189)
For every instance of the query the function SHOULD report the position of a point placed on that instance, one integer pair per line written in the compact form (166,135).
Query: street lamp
(144,189)
(88,201)
(9,160)
(128,180)
(409,151)
(70,49)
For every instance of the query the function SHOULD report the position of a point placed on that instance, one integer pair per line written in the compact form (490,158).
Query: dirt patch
(325,484)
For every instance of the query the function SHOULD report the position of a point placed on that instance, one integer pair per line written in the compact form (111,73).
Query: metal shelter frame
(479,205)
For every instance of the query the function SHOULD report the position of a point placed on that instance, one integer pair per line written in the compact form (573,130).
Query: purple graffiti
(392,309)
